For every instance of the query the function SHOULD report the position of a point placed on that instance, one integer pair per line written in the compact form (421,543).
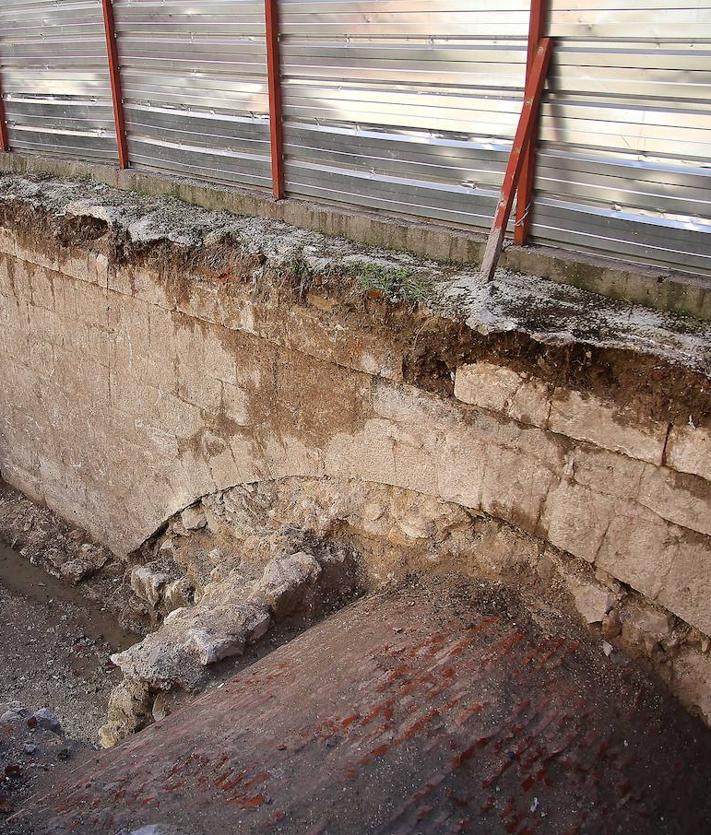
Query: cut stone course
(137,390)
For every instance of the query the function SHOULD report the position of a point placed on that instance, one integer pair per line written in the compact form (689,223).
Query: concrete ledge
(657,288)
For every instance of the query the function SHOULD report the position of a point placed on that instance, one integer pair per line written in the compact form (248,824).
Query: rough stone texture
(689,450)
(692,681)
(464,717)
(286,582)
(139,386)
(235,609)
(503,390)
(592,600)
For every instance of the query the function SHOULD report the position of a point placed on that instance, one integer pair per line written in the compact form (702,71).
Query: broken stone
(243,624)
(193,518)
(285,583)
(129,710)
(148,582)
(77,570)
(592,600)
(646,626)
(209,648)
(45,719)
(178,594)
(161,707)
(611,625)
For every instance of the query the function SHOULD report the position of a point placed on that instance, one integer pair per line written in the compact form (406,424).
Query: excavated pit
(229,429)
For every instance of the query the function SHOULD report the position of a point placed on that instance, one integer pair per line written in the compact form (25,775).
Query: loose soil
(55,647)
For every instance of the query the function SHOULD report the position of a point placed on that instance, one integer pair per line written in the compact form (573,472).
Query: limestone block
(678,497)
(592,600)
(194,386)
(84,265)
(46,325)
(286,582)
(33,254)
(220,361)
(41,288)
(689,450)
(235,404)
(93,305)
(686,589)
(407,404)
(606,472)
(514,487)
(637,548)
(666,563)
(587,418)
(500,389)
(66,291)
(368,455)
(8,244)
(462,461)
(576,519)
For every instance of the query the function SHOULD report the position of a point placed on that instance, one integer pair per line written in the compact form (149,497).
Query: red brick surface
(422,711)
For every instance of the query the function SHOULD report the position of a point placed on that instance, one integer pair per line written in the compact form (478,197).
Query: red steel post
(4,141)
(524,200)
(115,78)
(276,136)
(522,141)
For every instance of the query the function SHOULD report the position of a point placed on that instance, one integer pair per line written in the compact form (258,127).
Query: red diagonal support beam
(115,79)
(524,199)
(521,142)
(276,138)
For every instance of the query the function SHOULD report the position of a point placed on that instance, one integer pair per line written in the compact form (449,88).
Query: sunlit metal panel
(195,88)
(55,78)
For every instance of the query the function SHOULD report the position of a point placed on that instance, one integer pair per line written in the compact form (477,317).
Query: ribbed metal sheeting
(194,87)
(624,164)
(406,105)
(55,78)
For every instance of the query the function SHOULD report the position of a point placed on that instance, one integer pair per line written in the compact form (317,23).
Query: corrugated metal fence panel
(407,106)
(55,78)
(626,131)
(194,87)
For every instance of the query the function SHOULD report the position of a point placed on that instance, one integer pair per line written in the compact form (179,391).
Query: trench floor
(437,707)
(55,647)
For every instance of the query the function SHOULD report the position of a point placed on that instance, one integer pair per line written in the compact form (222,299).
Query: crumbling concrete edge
(654,287)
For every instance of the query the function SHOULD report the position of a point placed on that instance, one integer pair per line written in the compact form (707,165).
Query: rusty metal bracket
(276,137)
(524,197)
(115,79)
(521,143)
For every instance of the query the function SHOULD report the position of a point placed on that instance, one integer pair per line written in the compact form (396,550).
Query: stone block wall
(124,400)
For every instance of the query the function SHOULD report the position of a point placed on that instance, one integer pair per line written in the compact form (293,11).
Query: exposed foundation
(300,393)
